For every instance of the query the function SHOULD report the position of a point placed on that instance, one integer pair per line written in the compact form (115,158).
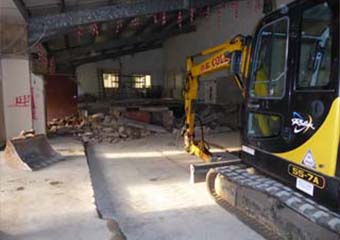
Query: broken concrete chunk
(121,129)
(107,130)
(97,117)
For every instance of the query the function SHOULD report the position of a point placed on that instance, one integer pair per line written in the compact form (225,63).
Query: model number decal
(313,178)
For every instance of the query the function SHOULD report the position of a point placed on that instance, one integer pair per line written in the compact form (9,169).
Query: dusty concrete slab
(53,203)
(144,185)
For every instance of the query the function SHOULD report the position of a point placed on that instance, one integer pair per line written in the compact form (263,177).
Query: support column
(16,102)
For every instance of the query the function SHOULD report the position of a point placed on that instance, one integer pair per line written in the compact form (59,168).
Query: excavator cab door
(292,109)
(268,92)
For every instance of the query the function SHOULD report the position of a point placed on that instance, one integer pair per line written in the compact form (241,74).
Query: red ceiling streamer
(135,22)
(119,26)
(79,34)
(42,56)
(95,29)
(52,65)
(219,14)
(40,50)
(258,5)
(192,14)
(236,8)
(163,18)
(179,19)
(249,4)
(207,11)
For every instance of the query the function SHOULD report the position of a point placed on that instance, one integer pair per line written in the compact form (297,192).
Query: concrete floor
(53,203)
(144,185)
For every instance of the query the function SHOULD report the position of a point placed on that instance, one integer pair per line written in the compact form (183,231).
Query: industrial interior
(169,119)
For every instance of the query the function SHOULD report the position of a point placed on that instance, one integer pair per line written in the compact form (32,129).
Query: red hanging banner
(163,18)
(192,15)
(51,65)
(79,35)
(258,5)
(207,11)
(135,22)
(119,26)
(95,29)
(179,19)
(236,8)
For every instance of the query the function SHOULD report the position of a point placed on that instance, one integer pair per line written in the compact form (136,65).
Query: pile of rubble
(100,127)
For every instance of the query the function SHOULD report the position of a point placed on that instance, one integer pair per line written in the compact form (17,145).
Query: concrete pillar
(15,79)
(38,103)
(2,116)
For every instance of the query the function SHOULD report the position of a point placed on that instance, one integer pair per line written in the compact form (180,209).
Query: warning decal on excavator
(306,175)
(308,160)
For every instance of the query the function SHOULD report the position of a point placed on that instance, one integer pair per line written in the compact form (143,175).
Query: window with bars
(142,81)
(111,80)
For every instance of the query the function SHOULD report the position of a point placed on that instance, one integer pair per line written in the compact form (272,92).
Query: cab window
(315,52)
(269,69)
(263,125)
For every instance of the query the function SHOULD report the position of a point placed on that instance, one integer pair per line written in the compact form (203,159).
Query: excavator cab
(292,109)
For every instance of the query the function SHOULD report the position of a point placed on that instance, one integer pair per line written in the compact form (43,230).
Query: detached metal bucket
(31,153)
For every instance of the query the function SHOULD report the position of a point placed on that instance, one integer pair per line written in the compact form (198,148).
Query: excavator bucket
(32,153)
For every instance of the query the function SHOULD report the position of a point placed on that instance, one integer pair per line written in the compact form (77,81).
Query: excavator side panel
(293,114)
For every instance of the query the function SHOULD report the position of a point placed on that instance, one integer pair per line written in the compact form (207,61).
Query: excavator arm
(231,56)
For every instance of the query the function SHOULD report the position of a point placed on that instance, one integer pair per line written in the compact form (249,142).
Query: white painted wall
(39,116)
(149,62)
(16,83)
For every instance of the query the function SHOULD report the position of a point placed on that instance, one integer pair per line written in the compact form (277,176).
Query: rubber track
(306,207)
(244,217)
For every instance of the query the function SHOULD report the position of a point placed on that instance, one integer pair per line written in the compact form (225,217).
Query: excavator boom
(231,56)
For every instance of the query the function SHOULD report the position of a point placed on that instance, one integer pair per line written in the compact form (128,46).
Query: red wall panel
(61,92)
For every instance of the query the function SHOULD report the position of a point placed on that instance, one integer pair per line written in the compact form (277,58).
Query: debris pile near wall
(212,116)
(108,128)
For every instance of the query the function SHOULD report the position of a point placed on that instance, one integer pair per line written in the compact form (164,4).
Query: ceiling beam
(116,54)
(168,31)
(22,8)
(45,27)
(153,39)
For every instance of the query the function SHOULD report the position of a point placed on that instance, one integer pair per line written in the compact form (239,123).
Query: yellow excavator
(285,181)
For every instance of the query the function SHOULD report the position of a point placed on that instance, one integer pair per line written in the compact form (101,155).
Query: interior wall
(215,29)
(149,62)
